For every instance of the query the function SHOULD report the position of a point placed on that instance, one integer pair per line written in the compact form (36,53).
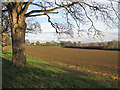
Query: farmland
(43,74)
(99,61)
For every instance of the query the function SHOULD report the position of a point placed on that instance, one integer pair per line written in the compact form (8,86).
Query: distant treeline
(112,45)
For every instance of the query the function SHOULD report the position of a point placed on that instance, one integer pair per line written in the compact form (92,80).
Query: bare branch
(35,15)
(4,10)
(38,5)
(79,11)
(114,9)
(40,14)
(47,11)
(49,20)
(25,7)
(97,32)
(62,28)
(33,27)
(4,4)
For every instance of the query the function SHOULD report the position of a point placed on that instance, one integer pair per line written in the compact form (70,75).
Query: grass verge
(43,74)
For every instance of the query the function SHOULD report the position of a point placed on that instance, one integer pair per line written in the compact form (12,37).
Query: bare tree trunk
(18,40)
(3,42)
(18,46)
(3,35)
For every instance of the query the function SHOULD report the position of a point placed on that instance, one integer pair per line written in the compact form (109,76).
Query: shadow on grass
(42,74)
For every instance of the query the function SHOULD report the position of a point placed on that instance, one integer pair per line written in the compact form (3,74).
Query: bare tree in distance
(5,29)
(80,11)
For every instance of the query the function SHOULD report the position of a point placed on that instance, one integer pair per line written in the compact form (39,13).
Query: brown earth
(95,60)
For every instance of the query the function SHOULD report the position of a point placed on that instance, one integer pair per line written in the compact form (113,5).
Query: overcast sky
(48,32)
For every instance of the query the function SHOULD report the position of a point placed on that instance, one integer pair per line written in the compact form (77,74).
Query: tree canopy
(81,11)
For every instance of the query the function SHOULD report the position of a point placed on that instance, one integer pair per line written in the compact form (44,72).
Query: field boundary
(93,48)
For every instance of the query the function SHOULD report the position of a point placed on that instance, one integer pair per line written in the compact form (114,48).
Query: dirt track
(97,60)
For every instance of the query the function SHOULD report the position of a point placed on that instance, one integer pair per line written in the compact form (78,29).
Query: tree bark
(3,35)
(3,42)
(18,40)
(18,47)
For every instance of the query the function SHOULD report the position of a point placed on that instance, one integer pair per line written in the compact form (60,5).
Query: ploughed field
(95,60)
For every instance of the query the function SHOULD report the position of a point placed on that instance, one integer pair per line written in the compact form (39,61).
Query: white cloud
(51,16)
(43,37)
(111,35)
(48,34)
(46,27)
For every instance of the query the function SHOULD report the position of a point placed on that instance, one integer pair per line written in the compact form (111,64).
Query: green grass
(43,74)
(0,50)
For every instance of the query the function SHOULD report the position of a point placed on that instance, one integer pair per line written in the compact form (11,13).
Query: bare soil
(95,60)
